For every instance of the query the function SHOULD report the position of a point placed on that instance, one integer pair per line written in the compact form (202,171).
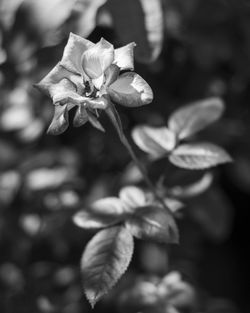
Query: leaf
(194,117)
(154,22)
(199,156)
(94,121)
(132,197)
(153,223)
(155,141)
(139,21)
(102,213)
(130,90)
(105,260)
(193,189)
(48,15)
(214,213)
(8,10)
(86,22)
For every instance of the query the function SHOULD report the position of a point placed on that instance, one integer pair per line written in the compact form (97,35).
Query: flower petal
(130,90)
(97,59)
(48,84)
(111,74)
(60,120)
(98,103)
(124,57)
(64,92)
(73,51)
(81,116)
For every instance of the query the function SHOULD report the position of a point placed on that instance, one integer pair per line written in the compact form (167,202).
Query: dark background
(43,179)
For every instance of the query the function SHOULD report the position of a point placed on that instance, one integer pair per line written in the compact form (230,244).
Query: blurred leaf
(105,260)
(86,21)
(17,112)
(194,117)
(153,223)
(214,213)
(173,204)
(8,10)
(9,184)
(154,22)
(8,154)
(45,178)
(102,213)
(140,297)
(155,141)
(192,189)
(139,21)
(133,197)
(48,15)
(177,292)
(131,175)
(199,156)
(130,90)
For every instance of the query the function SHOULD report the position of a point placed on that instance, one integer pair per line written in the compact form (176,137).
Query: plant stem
(116,121)
(143,171)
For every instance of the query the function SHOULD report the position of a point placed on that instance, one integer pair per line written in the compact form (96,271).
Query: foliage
(158,192)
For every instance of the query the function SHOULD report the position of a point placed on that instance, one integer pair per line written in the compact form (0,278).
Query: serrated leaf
(101,213)
(139,21)
(155,141)
(153,223)
(105,260)
(132,197)
(194,117)
(199,156)
(130,90)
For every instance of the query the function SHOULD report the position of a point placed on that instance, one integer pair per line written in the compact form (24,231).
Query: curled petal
(52,78)
(81,116)
(99,103)
(73,51)
(64,91)
(98,82)
(124,57)
(60,120)
(58,81)
(130,90)
(97,59)
(111,74)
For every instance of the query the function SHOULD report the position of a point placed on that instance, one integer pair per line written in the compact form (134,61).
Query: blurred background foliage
(186,50)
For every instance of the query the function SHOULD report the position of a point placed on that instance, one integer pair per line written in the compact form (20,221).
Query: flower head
(89,77)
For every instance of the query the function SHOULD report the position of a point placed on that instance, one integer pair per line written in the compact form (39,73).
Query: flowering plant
(94,77)
(89,76)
